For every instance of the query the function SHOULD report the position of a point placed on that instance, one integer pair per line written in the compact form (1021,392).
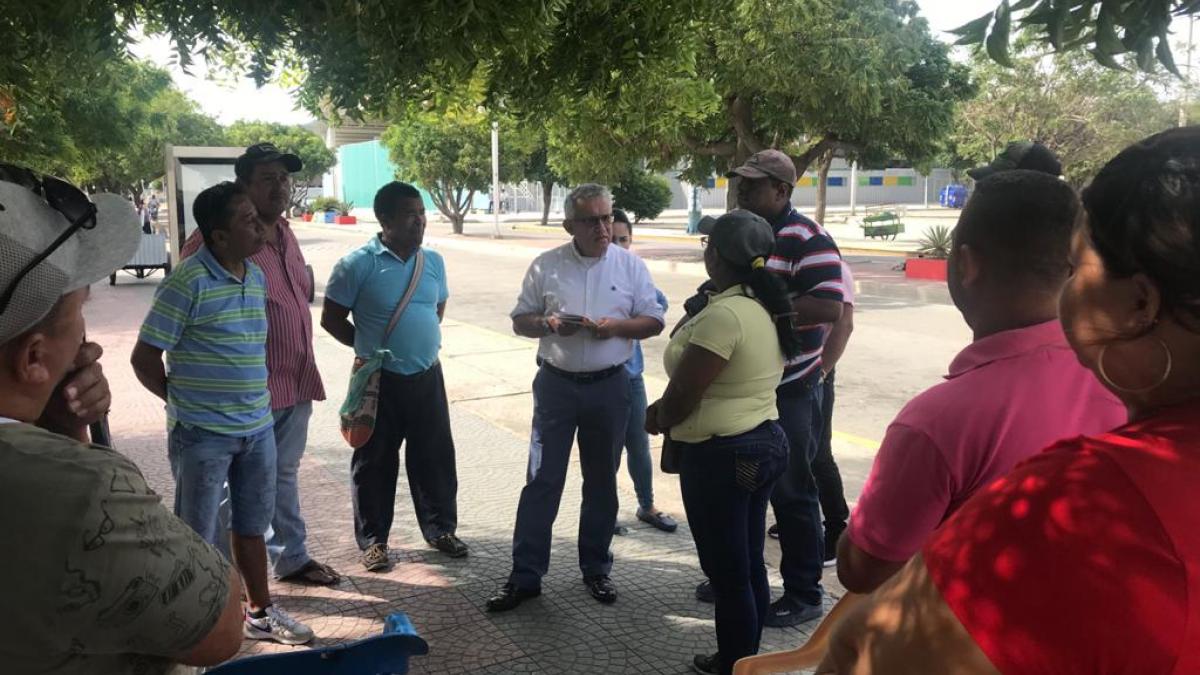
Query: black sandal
(314,574)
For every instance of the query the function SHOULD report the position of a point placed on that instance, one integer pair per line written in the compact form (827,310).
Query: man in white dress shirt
(586,301)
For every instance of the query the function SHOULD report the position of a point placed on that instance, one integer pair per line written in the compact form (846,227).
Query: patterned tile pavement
(655,627)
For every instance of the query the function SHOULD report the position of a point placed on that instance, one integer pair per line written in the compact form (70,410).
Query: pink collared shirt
(292,375)
(1007,397)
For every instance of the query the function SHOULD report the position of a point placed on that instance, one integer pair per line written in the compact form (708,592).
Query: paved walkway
(655,627)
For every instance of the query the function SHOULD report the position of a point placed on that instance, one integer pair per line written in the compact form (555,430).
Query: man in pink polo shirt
(1012,392)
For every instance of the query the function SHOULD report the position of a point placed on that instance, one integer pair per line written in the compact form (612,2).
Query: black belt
(582,378)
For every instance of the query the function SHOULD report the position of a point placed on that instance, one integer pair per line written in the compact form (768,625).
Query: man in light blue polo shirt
(209,316)
(413,410)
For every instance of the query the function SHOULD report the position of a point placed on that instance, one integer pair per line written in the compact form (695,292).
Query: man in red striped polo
(293,380)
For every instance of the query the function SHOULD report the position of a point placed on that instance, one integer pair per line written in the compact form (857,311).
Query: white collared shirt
(8,420)
(615,286)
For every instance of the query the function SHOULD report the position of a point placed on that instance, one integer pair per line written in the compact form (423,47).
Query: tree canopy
(305,144)
(1084,112)
(1107,29)
(448,151)
(105,128)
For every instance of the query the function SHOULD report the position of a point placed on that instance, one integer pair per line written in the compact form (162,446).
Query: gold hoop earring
(1139,390)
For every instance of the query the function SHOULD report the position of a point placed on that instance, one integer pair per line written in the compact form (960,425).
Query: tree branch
(717,149)
(830,144)
(741,116)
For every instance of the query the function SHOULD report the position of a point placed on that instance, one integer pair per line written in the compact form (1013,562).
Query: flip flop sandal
(315,573)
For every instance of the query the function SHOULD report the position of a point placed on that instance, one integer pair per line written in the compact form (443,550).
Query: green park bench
(884,224)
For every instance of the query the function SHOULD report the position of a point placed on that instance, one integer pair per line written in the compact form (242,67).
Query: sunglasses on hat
(63,197)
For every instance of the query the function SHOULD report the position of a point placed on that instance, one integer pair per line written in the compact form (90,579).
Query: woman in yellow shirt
(719,409)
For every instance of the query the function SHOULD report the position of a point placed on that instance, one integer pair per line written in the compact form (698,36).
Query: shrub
(642,194)
(322,204)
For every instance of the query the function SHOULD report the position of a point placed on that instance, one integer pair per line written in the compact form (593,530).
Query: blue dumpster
(953,196)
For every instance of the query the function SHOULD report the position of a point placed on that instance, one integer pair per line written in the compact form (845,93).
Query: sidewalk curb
(927,292)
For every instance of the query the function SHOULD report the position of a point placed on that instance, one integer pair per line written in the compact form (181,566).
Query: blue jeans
(726,484)
(795,499)
(201,462)
(598,412)
(834,509)
(287,534)
(637,444)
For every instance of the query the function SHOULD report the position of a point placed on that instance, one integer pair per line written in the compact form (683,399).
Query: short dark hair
(213,208)
(1143,213)
(1020,222)
(619,216)
(387,199)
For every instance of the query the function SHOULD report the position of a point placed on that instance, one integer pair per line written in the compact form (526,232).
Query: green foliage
(448,151)
(644,194)
(305,144)
(1084,112)
(936,243)
(105,128)
(1108,30)
(322,204)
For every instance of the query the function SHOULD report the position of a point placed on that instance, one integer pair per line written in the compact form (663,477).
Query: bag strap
(418,269)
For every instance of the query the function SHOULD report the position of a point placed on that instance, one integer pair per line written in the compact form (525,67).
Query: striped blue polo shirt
(213,328)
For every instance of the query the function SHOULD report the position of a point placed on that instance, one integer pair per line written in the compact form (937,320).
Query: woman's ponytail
(772,292)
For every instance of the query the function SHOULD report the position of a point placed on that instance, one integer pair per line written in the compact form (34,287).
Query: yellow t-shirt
(738,329)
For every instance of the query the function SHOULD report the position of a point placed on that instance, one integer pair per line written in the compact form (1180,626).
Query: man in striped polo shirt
(806,257)
(209,316)
(292,376)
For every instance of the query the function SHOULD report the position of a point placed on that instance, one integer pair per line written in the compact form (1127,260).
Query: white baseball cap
(34,214)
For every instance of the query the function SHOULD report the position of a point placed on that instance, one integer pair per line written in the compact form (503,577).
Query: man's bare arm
(147,362)
(335,319)
(839,336)
(859,571)
(531,326)
(904,627)
(810,311)
(225,638)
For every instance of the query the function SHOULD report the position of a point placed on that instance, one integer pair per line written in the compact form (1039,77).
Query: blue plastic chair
(385,654)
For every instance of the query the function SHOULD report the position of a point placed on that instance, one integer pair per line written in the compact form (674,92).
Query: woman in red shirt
(1086,558)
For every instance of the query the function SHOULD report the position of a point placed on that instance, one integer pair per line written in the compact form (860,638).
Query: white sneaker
(277,625)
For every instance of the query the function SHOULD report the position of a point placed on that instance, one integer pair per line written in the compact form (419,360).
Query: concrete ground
(901,345)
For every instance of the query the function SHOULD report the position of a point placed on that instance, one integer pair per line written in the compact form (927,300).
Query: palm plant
(936,243)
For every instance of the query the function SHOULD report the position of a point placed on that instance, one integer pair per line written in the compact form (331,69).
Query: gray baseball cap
(739,236)
(29,226)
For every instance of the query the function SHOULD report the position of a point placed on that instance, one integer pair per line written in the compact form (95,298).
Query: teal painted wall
(366,168)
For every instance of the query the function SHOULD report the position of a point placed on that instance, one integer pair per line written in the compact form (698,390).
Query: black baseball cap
(266,152)
(739,236)
(1029,155)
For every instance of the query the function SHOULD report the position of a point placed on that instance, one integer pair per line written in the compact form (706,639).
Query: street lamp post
(496,177)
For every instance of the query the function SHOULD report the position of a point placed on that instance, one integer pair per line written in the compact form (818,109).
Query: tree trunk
(739,158)
(823,165)
(547,195)
(447,206)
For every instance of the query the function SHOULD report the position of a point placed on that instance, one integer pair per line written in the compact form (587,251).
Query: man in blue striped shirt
(209,317)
